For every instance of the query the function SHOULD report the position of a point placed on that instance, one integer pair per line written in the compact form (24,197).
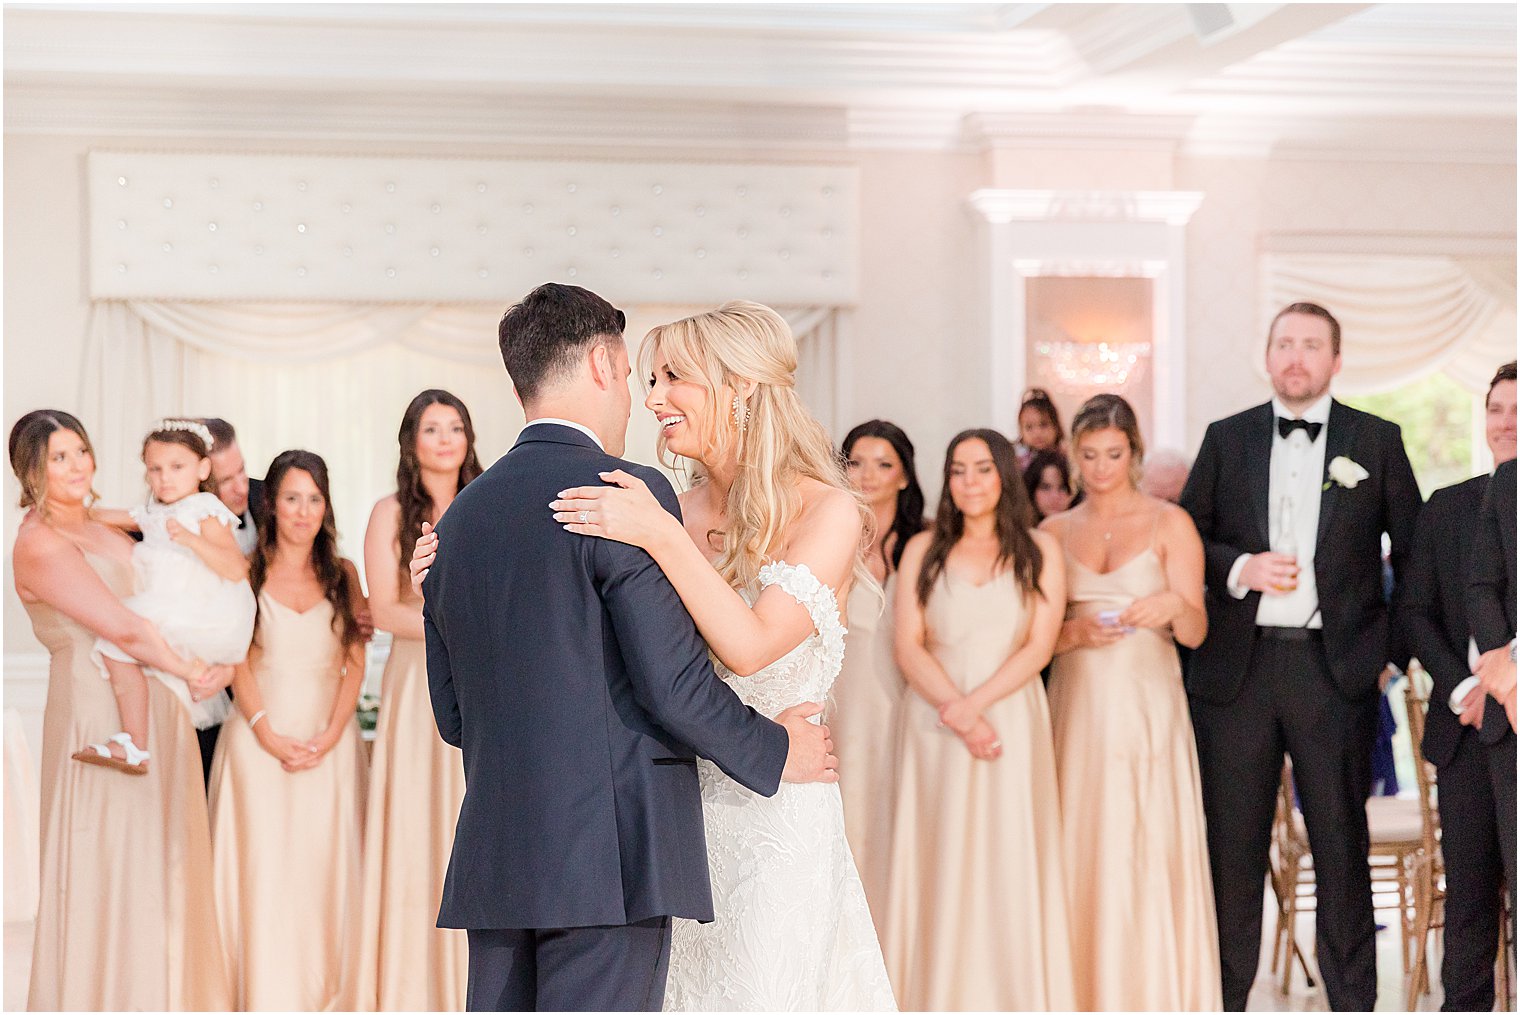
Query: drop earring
(741,414)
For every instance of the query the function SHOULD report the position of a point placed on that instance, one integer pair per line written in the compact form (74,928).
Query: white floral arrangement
(368,711)
(1344,472)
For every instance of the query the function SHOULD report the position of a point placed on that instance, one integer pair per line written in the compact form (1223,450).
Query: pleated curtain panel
(334,378)
(1402,317)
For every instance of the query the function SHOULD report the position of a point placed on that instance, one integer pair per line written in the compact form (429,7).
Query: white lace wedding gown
(793,932)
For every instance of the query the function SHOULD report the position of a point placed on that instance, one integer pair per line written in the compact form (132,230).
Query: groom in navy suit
(581,694)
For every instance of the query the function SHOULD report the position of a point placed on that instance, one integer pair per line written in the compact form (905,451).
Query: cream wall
(914,348)
(1309,206)
(917,304)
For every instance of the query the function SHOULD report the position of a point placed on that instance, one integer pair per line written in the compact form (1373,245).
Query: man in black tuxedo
(577,686)
(1434,616)
(1292,658)
(242,495)
(1491,607)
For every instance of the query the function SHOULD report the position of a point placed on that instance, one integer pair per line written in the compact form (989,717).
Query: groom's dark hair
(544,334)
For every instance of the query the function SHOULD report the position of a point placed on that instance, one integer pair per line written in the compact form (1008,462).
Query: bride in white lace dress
(771,542)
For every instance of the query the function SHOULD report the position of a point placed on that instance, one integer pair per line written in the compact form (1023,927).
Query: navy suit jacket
(576,684)
(1227,493)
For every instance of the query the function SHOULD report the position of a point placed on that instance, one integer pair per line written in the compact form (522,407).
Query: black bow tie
(1286,426)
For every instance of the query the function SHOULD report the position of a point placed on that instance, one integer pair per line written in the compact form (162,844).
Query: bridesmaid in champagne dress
(977,908)
(126,918)
(287,782)
(863,708)
(416,780)
(1142,902)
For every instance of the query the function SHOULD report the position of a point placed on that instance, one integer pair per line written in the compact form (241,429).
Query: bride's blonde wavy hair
(779,444)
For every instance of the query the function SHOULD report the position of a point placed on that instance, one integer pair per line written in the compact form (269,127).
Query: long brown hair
(908,516)
(1014,517)
(28,451)
(412,496)
(337,585)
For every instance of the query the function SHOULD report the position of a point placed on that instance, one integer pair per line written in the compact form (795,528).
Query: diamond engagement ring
(584,516)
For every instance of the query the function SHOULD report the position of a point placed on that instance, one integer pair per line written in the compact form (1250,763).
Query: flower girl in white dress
(191,582)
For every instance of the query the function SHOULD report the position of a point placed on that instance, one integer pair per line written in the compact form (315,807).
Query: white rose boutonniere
(1344,472)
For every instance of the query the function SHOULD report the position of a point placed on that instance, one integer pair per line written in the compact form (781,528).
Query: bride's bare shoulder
(823,504)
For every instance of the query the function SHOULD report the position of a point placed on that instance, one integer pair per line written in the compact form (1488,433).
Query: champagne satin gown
(977,907)
(1142,901)
(863,716)
(287,844)
(416,785)
(127,918)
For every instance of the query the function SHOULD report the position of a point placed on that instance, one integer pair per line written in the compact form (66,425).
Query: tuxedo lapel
(1258,452)
(1340,438)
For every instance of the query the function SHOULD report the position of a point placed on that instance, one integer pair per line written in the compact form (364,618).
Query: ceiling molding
(783,78)
(1167,207)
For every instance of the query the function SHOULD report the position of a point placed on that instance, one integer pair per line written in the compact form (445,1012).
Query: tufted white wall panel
(289,227)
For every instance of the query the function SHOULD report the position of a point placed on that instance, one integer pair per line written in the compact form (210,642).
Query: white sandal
(100,754)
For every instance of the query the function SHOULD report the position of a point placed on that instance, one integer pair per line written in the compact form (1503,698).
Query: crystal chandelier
(1080,366)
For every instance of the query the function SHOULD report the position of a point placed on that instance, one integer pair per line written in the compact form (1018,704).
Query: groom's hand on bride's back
(810,749)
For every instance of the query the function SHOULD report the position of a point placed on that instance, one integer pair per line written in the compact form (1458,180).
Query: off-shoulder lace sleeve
(799,582)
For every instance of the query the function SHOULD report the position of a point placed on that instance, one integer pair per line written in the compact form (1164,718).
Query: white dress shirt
(1297,479)
(246,535)
(565,422)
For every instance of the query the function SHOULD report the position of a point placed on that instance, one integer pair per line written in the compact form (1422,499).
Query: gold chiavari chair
(1292,874)
(1428,875)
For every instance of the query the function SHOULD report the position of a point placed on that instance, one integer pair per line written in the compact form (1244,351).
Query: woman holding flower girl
(192,583)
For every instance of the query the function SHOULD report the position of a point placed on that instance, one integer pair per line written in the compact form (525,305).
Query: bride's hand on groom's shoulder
(422,556)
(810,748)
(625,511)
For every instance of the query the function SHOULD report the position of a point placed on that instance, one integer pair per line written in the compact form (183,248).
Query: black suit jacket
(256,500)
(1491,585)
(576,684)
(255,497)
(1432,606)
(1227,493)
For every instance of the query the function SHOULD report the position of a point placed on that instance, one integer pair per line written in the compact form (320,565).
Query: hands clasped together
(964,718)
(292,754)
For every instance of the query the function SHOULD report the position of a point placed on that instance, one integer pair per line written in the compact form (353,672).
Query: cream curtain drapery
(1402,317)
(334,378)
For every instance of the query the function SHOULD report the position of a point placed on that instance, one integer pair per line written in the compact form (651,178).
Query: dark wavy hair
(908,521)
(412,496)
(1014,519)
(337,584)
(1034,474)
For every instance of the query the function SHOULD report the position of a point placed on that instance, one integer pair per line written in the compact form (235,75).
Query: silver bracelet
(256,717)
